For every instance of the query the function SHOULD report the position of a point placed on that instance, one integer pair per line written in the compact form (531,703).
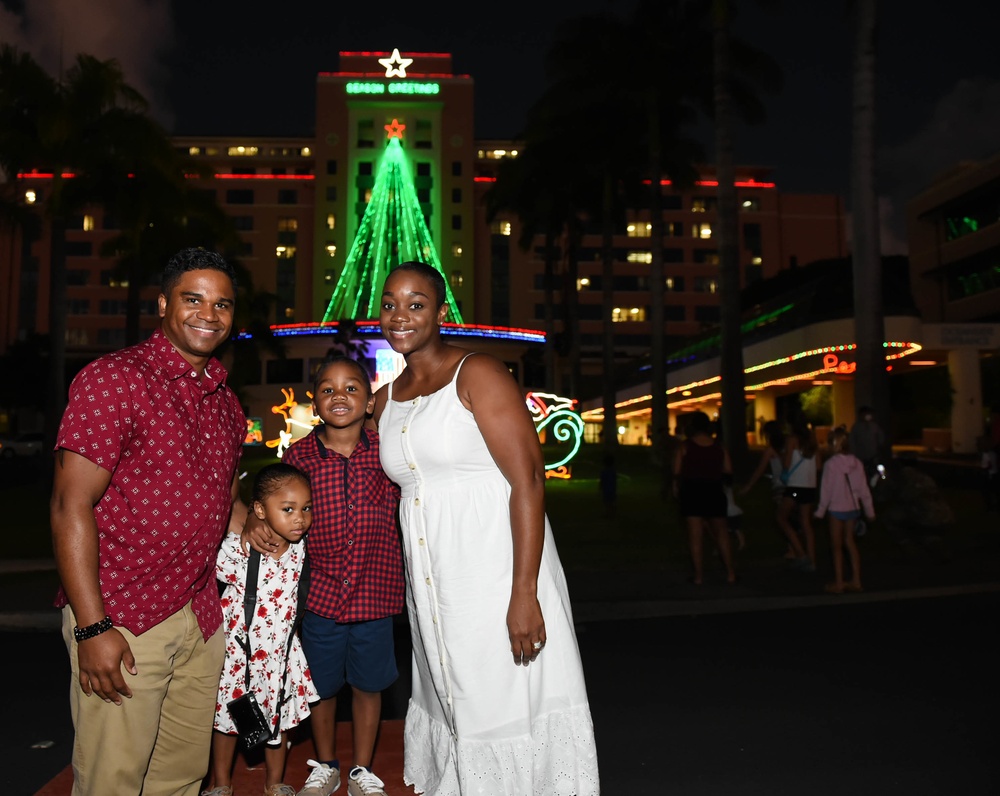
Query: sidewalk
(939,567)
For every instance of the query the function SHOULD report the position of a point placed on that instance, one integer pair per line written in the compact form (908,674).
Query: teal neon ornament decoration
(556,413)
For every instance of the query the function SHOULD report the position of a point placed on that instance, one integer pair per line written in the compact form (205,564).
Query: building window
(675,284)
(79,248)
(365,168)
(331,249)
(456,168)
(707,315)
(288,224)
(331,193)
(77,276)
(703,231)
(246,248)
(706,256)
(672,201)
(78,306)
(639,230)
(752,239)
(706,284)
(243,223)
(285,252)
(702,204)
(331,167)
(423,194)
(456,250)
(88,223)
(241,151)
(423,134)
(330,276)
(423,169)
(288,196)
(366,133)
(639,257)
(583,283)
(456,222)
(456,195)
(239,196)
(627,314)
(750,203)
(500,228)
(331,221)
(457,280)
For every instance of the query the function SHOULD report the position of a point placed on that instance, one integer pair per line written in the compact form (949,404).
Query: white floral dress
(277,598)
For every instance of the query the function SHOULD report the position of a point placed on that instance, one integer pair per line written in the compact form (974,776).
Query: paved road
(847,699)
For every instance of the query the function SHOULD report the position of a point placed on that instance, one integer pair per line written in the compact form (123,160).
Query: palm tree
(870,380)
(734,92)
(75,125)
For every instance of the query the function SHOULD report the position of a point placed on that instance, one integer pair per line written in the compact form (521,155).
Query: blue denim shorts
(846,515)
(360,653)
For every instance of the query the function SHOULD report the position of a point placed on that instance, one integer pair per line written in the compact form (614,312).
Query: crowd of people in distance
(807,482)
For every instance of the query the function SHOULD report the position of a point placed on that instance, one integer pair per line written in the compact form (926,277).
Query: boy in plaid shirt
(356,572)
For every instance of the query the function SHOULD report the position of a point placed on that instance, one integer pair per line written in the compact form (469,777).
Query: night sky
(221,68)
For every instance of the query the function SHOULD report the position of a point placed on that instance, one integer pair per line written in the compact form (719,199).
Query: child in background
(282,686)
(844,491)
(347,631)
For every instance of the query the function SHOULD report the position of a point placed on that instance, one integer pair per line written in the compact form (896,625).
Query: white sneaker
(362,782)
(322,780)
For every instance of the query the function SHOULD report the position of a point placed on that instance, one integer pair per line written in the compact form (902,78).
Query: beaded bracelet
(83,633)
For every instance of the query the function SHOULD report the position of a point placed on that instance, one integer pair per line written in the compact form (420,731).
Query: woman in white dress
(499,703)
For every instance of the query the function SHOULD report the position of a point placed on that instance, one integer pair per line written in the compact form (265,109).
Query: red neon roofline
(410,75)
(372,53)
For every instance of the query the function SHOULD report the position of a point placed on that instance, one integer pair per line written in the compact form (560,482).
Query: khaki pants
(156,743)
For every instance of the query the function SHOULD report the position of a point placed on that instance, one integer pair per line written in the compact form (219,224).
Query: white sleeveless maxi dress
(477,723)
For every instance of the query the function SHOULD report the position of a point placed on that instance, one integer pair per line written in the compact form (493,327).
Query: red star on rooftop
(395,130)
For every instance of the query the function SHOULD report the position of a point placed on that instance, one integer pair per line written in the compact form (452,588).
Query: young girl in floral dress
(282,685)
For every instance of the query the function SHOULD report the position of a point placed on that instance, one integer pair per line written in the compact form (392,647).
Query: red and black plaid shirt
(355,561)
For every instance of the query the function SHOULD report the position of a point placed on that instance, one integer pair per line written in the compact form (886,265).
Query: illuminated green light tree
(392,231)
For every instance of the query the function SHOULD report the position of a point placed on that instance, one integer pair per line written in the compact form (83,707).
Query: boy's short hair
(333,359)
(193,259)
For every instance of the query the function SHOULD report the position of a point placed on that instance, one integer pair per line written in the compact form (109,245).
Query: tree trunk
(55,403)
(571,310)
(733,413)
(870,381)
(549,286)
(657,284)
(610,427)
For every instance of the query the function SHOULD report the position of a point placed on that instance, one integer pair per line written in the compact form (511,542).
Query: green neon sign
(409,87)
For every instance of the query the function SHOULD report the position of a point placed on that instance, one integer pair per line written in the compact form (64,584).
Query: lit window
(30,197)
(193,150)
(306,152)
(285,252)
(500,228)
(639,230)
(670,283)
(626,314)
(290,312)
(241,151)
(582,283)
(639,257)
(457,280)
(697,205)
(368,195)
(331,221)
(88,223)
(331,249)
(288,224)
(703,231)
(456,250)
(756,260)
(211,151)
(329,276)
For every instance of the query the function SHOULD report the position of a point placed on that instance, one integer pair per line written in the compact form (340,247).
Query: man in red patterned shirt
(144,488)
(356,573)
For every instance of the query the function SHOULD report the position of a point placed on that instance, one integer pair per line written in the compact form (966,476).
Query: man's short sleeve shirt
(355,559)
(171,439)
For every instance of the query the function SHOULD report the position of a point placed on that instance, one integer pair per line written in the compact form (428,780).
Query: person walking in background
(356,565)
(499,702)
(800,461)
(265,659)
(145,485)
(700,465)
(772,459)
(867,440)
(844,492)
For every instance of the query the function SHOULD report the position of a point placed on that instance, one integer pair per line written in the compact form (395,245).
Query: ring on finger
(537,645)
